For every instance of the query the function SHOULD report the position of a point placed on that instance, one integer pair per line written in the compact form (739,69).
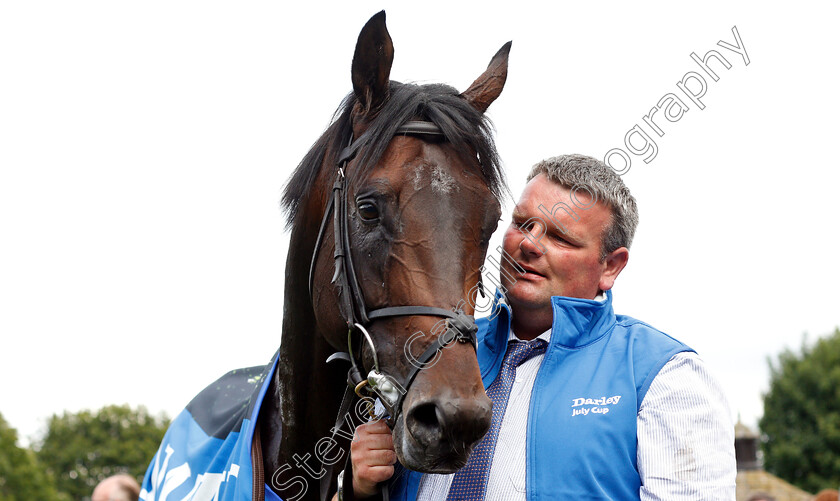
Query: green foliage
(801,419)
(21,477)
(81,449)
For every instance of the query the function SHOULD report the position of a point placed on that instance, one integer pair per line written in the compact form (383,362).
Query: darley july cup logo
(584,406)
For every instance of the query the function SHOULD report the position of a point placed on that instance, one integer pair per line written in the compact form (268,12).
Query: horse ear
(489,85)
(372,63)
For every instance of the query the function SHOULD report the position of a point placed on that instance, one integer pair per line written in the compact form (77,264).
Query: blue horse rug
(206,452)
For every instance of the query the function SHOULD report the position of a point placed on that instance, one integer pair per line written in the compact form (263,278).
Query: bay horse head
(405,184)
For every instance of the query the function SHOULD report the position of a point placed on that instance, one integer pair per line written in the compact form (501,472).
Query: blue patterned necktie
(471,480)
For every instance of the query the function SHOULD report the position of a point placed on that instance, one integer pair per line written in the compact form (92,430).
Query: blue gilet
(581,436)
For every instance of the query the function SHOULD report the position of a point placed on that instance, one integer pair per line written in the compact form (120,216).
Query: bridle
(389,389)
(459,326)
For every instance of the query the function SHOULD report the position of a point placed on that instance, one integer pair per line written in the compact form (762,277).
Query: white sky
(144,146)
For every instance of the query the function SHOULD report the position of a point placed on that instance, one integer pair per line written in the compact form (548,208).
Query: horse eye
(368,211)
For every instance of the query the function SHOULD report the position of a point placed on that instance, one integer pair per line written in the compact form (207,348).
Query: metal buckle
(387,389)
(340,482)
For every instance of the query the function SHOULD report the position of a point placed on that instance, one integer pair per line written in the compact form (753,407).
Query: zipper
(258,488)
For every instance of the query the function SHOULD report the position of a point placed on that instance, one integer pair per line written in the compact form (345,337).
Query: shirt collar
(545,336)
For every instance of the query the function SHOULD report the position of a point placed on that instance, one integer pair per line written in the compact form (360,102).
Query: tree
(21,477)
(82,449)
(801,419)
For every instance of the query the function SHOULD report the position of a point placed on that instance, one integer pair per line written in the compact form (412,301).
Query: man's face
(565,260)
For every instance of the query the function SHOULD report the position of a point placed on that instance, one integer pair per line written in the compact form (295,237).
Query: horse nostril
(447,423)
(424,423)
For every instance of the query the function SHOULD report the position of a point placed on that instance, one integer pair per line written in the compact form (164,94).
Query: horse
(390,213)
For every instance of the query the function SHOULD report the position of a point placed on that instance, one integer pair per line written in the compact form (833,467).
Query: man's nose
(530,243)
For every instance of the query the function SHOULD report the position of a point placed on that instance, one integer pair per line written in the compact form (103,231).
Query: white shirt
(684,430)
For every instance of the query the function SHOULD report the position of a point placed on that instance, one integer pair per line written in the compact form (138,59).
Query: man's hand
(373,457)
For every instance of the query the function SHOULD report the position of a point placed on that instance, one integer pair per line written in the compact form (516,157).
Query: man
(121,487)
(612,408)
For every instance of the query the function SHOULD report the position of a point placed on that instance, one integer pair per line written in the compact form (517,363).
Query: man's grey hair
(592,175)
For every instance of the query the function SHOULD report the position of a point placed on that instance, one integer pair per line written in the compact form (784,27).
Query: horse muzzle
(442,422)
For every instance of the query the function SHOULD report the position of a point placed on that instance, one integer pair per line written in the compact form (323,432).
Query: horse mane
(463,126)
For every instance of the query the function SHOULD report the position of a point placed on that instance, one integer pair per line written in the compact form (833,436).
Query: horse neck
(304,397)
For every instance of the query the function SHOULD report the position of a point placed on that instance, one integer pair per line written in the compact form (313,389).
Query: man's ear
(613,264)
